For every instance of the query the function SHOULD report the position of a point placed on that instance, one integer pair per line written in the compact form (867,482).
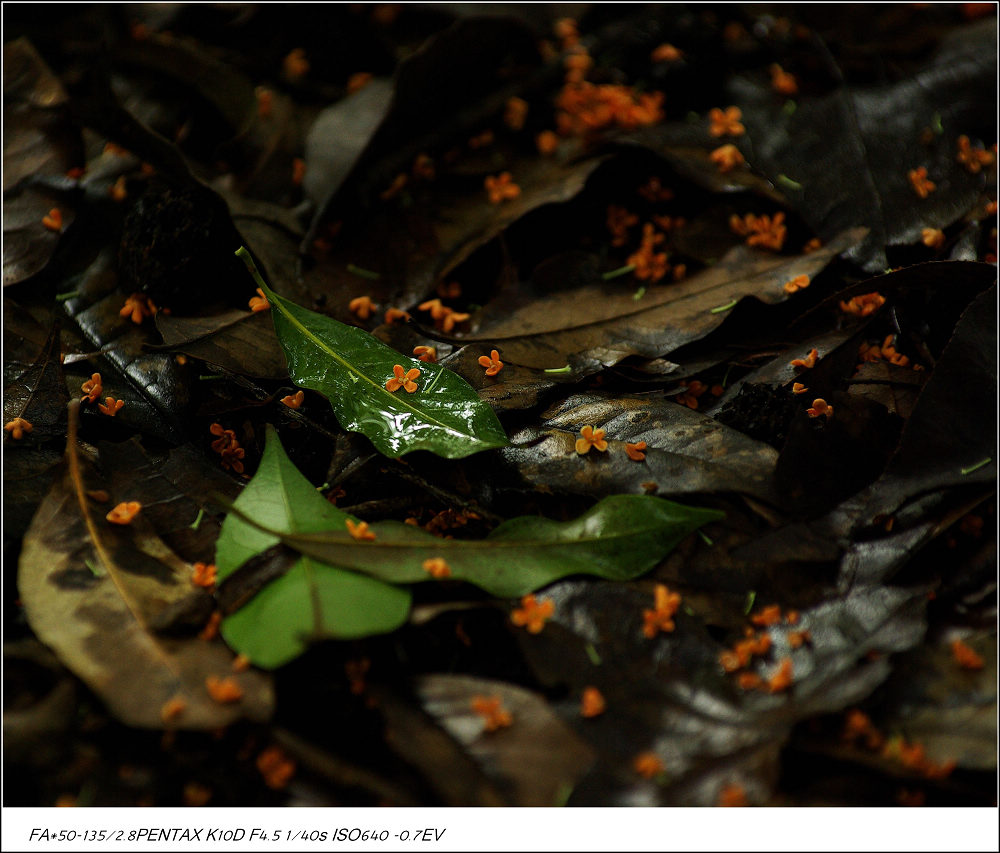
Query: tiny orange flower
(427,354)
(922,186)
(435,307)
(661,617)
(863,305)
(808,362)
(933,238)
(92,388)
(782,679)
(973,159)
(636,451)
(138,307)
(241,663)
(764,231)
(749,681)
(492,363)
(357,81)
(298,171)
(533,614)
(792,617)
(492,711)
(800,282)
(666,53)
(110,406)
(394,314)
(501,187)
(76,173)
(403,379)
(259,302)
(225,691)
(53,220)
(965,656)
(450,319)
(820,408)
(275,767)
(124,513)
(362,306)
(770,615)
(732,796)
(203,575)
(18,427)
(812,245)
(118,190)
(515,112)
(294,401)
(798,388)
(566,30)
(449,290)
(648,765)
(782,81)
(590,437)
(172,709)
(727,158)
(295,64)
(436,567)
(797,638)
(359,531)
(592,703)
(547,142)
(726,122)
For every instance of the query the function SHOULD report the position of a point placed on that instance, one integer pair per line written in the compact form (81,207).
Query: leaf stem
(721,308)
(977,466)
(593,654)
(62,297)
(194,525)
(564,369)
(618,273)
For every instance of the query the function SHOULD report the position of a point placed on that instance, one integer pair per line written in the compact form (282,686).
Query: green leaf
(619,538)
(313,599)
(350,368)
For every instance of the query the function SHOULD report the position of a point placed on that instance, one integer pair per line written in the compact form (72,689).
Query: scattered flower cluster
(124,513)
(403,379)
(765,232)
(753,644)
(444,318)
(971,157)
(501,188)
(859,729)
(863,304)
(359,530)
(138,307)
(661,617)
(18,428)
(921,184)
(649,264)
(874,352)
(275,767)
(726,158)
(619,221)
(491,709)
(204,575)
(533,614)
(228,447)
(437,568)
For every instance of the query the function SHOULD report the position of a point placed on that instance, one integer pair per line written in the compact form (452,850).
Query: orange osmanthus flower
(532,614)
(403,379)
(590,437)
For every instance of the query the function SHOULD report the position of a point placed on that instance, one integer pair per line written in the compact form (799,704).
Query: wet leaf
(97,619)
(311,599)
(350,368)
(619,538)
(686,451)
(872,133)
(592,327)
(538,758)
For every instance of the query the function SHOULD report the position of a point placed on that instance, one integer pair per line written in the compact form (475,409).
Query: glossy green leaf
(350,368)
(619,538)
(311,600)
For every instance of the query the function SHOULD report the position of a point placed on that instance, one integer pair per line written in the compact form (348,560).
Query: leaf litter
(643,351)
